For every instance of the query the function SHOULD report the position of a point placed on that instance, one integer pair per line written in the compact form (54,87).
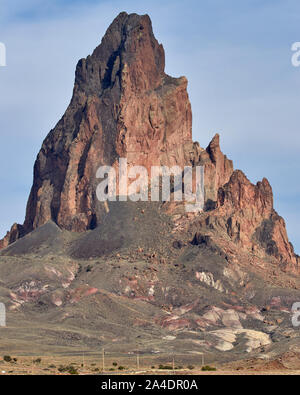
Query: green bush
(68,369)
(165,367)
(7,358)
(121,368)
(38,360)
(72,370)
(208,368)
(114,364)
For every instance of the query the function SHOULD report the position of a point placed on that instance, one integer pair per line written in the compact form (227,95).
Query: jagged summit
(79,275)
(129,40)
(125,105)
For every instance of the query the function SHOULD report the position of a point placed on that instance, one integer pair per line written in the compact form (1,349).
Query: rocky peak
(214,149)
(128,49)
(125,105)
(239,193)
(16,232)
(247,215)
(218,170)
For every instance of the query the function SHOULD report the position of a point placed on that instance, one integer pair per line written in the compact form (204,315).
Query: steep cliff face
(252,220)
(244,214)
(218,170)
(125,105)
(16,232)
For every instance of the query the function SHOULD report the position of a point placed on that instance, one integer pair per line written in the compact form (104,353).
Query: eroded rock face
(16,232)
(123,105)
(245,212)
(218,170)
(251,217)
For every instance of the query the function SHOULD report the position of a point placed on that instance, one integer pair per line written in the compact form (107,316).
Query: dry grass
(93,365)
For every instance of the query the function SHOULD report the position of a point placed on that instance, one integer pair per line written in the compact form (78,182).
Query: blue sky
(236,55)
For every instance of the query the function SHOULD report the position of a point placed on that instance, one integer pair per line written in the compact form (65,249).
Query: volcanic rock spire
(123,105)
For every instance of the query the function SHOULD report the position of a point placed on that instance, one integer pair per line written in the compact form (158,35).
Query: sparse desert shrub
(165,367)
(15,359)
(191,367)
(208,368)
(114,364)
(121,368)
(111,369)
(68,369)
(7,358)
(63,368)
(72,370)
(38,360)
(52,366)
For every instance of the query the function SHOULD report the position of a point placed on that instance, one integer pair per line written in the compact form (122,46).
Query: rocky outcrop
(245,211)
(218,170)
(124,105)
(16,232)
(244,206)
